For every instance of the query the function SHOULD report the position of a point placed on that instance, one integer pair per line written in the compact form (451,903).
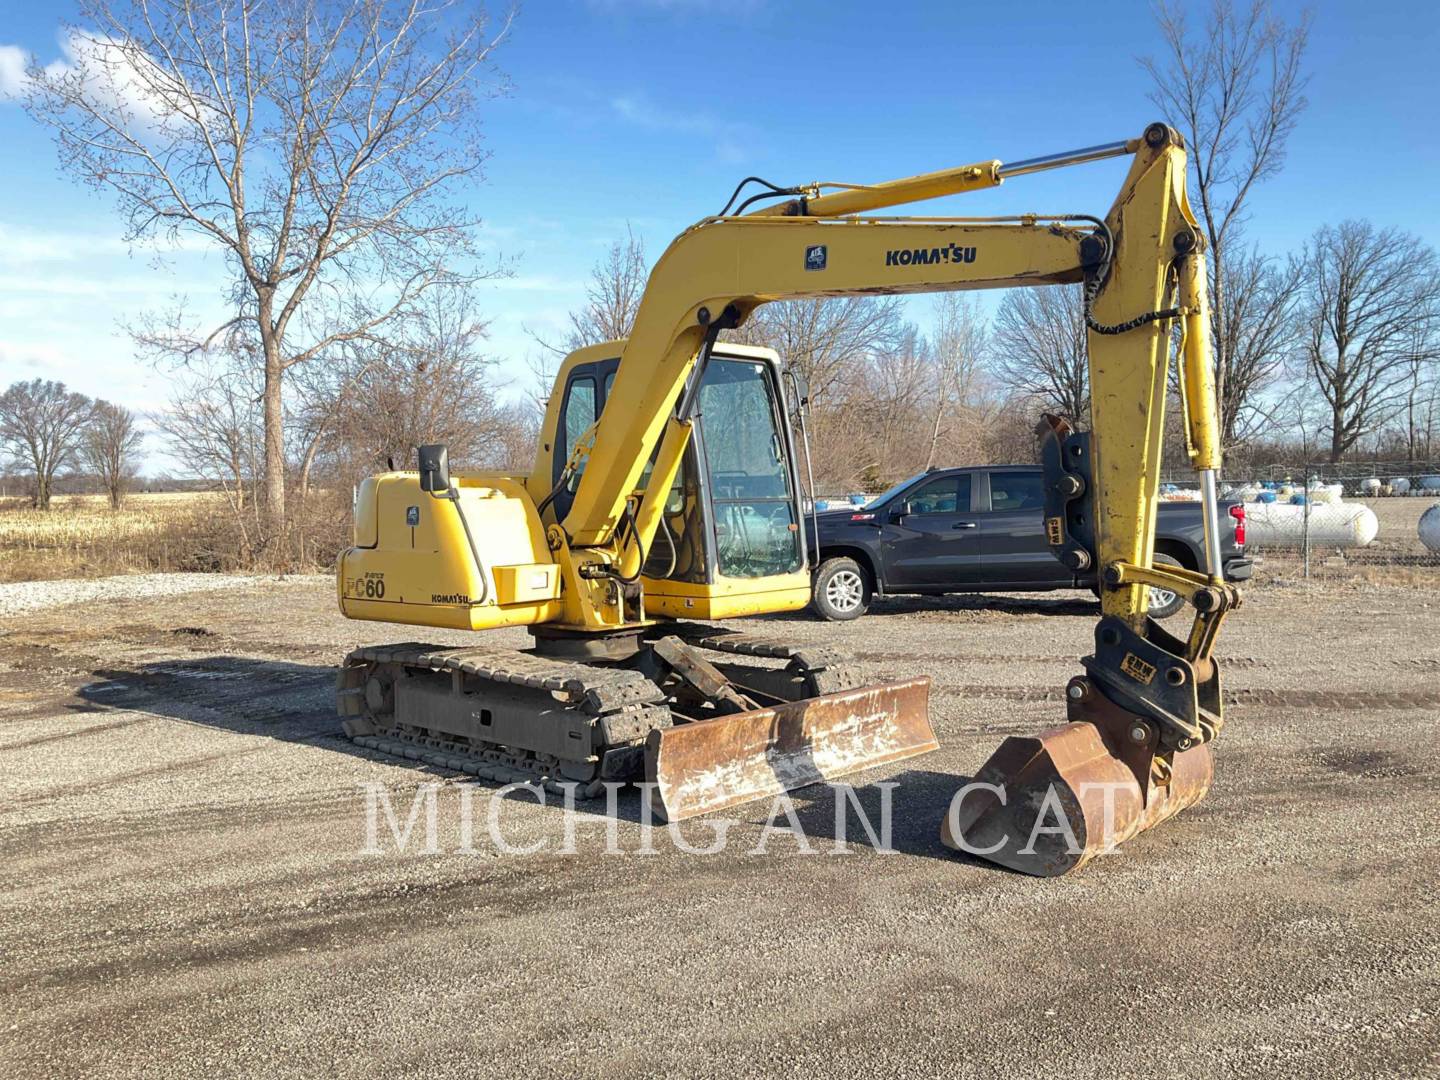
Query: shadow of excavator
(294,703)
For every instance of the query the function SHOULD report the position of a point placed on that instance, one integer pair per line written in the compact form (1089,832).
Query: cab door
(580,409)
(930,538)
(1012,530)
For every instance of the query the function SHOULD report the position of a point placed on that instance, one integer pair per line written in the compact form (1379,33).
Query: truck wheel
(1163,602)
(841,590)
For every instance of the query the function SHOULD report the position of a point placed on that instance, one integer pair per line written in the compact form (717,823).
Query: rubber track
(621,699)
(575,682)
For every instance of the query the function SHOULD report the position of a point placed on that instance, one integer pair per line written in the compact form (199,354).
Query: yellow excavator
(666,495)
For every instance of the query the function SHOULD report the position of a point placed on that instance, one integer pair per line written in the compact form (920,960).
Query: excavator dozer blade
(709,765)
(1057,800)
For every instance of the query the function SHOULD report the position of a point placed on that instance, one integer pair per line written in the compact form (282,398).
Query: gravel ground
(18,597)
(188,893)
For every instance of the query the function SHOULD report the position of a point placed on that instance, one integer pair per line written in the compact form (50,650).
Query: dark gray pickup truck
(980,530)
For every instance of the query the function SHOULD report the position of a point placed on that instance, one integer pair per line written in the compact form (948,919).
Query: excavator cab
(730,540)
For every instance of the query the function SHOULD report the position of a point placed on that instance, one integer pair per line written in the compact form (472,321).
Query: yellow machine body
(411,562)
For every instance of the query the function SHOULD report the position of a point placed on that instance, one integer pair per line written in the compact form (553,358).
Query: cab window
(943,495)
(1016,491)
(579,415)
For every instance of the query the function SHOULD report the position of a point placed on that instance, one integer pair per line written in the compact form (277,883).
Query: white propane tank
(1346,525)
(1370,488)
(1430,483)
(1325,493)
(1400,485)
(1430,528)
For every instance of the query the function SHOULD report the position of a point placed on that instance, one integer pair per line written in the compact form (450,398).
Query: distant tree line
(48,432)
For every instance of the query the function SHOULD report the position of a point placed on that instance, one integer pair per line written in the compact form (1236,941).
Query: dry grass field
(80,536)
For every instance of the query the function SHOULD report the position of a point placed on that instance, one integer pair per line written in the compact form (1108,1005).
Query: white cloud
(727,136)
(13,79)
(22,245)
(117,75)
(639,110)
(35,358)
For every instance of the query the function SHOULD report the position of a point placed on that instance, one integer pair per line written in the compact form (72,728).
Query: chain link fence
(1368,521)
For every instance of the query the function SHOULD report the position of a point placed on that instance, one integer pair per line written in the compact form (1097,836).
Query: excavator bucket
(712,764)
(1047,805)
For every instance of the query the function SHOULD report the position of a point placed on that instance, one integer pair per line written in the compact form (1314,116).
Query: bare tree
(108,447)
(214,428)
(433,386)
(827,340)
(1259,296)
(1422,398)
(1367,296)
(40,428)
(958,344)
(1039,348)
(1235,89)
(316,146)
(440,337)
(613,295)
(889,422)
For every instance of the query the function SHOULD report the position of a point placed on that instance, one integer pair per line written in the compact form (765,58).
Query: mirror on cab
(435,468)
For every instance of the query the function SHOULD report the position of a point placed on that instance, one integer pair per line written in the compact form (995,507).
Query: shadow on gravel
(293,702)
(919,800)
(281,700)
(980,604)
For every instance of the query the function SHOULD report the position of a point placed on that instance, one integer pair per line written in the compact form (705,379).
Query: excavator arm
(1142,266)
(1149,702)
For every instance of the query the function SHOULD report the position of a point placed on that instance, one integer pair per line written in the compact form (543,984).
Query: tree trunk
(275,539)
(306,463)
(935,430)
(1337,436)
(1410,430)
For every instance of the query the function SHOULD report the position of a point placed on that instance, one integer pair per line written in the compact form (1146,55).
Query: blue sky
(649,111)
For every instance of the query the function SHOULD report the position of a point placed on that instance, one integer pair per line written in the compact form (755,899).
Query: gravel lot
(188,895)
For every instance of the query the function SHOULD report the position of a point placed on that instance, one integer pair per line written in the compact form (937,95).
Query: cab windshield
(745,455)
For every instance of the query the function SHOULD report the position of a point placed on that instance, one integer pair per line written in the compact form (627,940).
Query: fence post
(1305,525)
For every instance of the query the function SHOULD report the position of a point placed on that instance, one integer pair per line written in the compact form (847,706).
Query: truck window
(943,495)
(1016,491)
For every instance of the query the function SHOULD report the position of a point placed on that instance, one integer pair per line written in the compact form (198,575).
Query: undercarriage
(710,717)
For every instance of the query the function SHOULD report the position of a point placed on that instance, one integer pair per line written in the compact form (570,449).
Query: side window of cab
(576,417)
